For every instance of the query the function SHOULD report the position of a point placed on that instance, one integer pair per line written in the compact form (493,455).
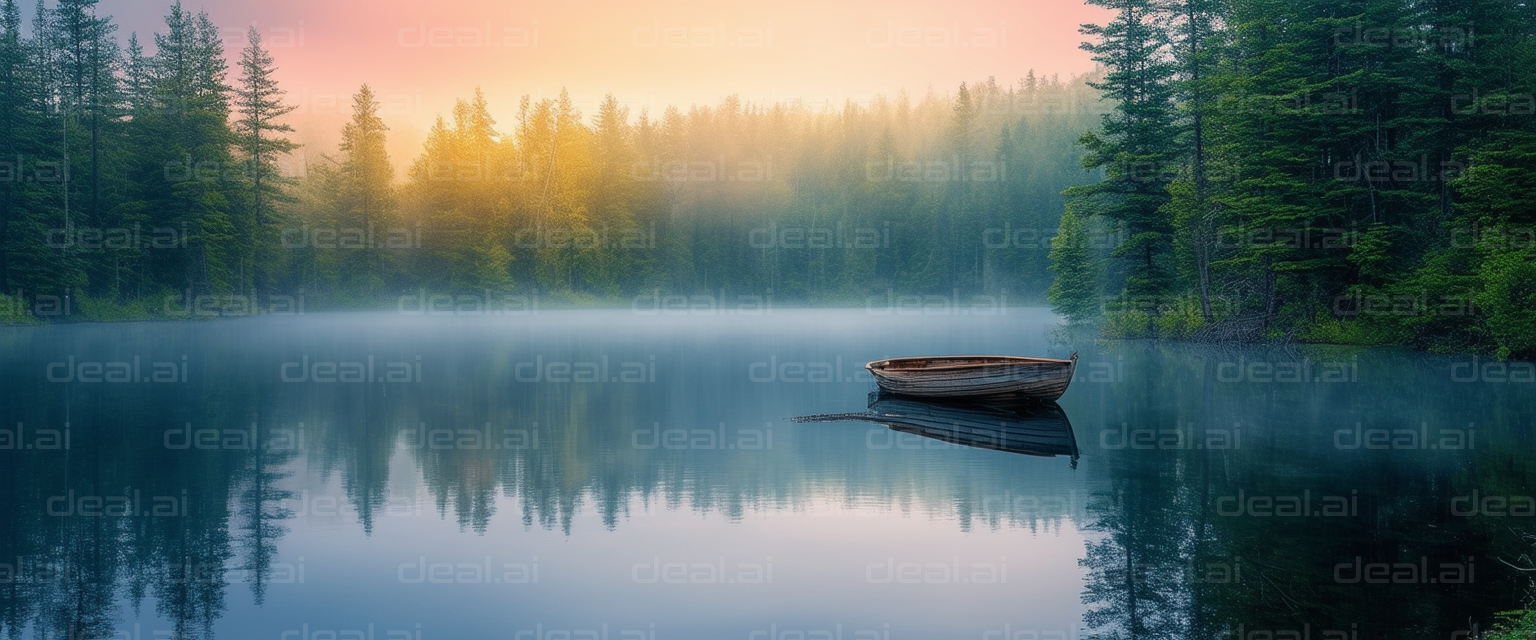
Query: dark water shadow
(1013,426)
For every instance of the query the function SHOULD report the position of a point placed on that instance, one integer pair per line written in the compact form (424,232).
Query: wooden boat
(1027,428)
(975,376)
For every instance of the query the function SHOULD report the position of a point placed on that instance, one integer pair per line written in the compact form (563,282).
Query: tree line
(138,184)
(936,197)
(1333,171)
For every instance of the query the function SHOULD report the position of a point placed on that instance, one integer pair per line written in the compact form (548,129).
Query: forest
(1346,172)
(154,185)
(1354,172)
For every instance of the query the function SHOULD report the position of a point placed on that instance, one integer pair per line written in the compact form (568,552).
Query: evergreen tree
(88,96)
(181,150)
(1196,44)
(259,103)
(1495,239)
(365,196)
(1137,143)
(1076,288)
(17,122)
(35,199)
(608,268)
(953,247)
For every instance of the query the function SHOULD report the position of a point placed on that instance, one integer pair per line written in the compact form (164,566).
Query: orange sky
(420,55)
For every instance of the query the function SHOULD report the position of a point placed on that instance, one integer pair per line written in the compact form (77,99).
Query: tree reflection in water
(1189,475)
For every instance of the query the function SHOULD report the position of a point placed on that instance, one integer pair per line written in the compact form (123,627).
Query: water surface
(609,474)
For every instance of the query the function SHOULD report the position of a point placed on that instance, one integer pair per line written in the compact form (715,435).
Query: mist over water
(477,319)
(567,470)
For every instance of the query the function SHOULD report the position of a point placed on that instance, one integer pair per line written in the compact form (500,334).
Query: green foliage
(1513,625)
(1259,162)
(1168,318)
(100,310)
(1318,183)
(1332,330)
(1074,291)
(178,162)
(1509,298)
(14,310)
(1135,143)
(258,130)
(735,199)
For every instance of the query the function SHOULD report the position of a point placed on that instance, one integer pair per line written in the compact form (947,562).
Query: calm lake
(613,475)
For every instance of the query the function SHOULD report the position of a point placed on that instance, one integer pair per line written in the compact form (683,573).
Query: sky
(421,55)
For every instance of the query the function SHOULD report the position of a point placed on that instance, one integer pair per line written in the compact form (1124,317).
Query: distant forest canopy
(1355,172)
(1360,171)
(136,185)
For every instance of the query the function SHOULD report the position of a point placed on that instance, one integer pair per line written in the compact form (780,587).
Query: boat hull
(1042,379)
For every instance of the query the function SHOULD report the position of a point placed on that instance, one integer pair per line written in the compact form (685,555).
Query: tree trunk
(259,273)
(1203,268)
(1269,292)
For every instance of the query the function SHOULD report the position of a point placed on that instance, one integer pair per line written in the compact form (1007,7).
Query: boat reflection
(1022,427)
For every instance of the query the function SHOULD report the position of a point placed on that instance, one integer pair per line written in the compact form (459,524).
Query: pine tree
(138,79)
(948,252)
(35,199)
(259,103)
(88,57)
(1075,290)
(1196,44)
(1137,143)
(478,151)
(456,190)
(558,147)
(181,146)
(365,195)
(614,157)
(15,94)
(90,101)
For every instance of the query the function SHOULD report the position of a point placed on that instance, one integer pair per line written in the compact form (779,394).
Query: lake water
(607,474)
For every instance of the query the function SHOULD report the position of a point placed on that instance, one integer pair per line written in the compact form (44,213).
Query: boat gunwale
(883,366)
